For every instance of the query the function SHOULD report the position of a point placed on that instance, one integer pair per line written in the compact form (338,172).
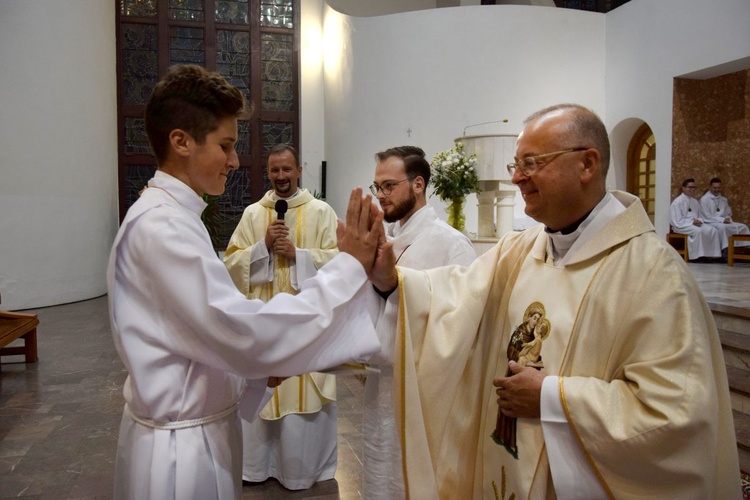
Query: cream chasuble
(312,227)
(540,319)
(642,378)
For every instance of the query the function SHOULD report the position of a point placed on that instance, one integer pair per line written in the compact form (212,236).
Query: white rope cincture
(182,424)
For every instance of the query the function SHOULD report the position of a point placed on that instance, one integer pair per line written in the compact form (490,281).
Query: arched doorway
(642,168)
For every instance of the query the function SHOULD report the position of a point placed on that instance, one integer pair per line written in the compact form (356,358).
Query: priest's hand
(383,274)
(361,234)
(276,229)
(275,381)
(519,394)
(283,246)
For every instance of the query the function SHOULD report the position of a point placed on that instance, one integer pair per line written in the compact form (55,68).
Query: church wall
(422,77)
(651,42)
(58,150)
(312,99)
(712,137)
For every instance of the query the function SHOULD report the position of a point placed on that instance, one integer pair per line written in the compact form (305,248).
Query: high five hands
(363,237)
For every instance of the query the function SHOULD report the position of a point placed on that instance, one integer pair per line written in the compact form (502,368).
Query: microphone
(281,208)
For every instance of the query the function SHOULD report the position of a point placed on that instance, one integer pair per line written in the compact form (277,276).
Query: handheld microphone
(281,208)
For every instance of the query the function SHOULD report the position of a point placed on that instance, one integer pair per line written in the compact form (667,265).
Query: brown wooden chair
(679,242)
(731,256)
(14,326)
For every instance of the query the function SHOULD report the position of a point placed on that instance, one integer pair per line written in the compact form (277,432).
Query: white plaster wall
(650,42)
(58,150)
(312,99)
(421,77)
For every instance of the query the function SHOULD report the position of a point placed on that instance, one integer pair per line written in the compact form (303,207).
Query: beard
(283,189)
(401,209)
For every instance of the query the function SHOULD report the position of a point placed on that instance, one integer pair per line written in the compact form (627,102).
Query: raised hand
(361,234)
(383,274)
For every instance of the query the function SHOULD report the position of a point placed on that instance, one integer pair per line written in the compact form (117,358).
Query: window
(642,168)
(254,44)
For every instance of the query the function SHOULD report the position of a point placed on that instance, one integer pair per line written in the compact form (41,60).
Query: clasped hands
(277,240)
(363,237)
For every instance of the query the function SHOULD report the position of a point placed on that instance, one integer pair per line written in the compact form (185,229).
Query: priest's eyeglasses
(386,188)
(530,164)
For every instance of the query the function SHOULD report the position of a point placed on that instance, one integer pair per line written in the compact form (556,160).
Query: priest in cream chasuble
(265,257)
(312,227)
(642,383)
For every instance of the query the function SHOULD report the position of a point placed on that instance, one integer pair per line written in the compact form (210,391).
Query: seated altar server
(718,213)
(686,217)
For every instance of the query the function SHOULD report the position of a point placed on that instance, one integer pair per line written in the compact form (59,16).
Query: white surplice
(704,240)
(424,242)
(194,346)
(716,210)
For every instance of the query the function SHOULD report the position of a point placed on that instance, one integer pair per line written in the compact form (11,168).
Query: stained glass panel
(139,68)
(138,8)
(232,12)
(277,13)
(186,10)
(136,140)
(233,58)
(243,138)
(224,212)
(186,46)
(277,75)
(136,178)
(276,133)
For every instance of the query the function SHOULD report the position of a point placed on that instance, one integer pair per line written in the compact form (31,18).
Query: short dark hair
(585,126)
(715,179)
(687,181)
(415,163)
(283,148)
(193,99)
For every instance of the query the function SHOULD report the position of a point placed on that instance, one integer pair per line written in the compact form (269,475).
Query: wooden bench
(14,326)
(679,242)
(730,253)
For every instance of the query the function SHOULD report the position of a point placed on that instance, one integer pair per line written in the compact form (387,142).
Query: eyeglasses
(690,187)
(529,165)
(386,188)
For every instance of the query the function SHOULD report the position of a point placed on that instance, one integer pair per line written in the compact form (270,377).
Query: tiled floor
(59,417)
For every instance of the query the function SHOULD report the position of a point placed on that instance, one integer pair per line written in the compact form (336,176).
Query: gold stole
(304,393)
(542,311)
(281,273)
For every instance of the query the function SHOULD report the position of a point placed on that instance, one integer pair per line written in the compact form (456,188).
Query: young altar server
(194,347)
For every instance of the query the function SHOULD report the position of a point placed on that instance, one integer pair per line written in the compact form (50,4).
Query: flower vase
(455,209)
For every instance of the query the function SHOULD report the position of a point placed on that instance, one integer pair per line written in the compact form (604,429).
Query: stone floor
(59,417)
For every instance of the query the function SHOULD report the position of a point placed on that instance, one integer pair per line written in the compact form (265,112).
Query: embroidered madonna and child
(525,348)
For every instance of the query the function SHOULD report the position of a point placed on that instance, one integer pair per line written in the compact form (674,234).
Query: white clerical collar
(559,245)
(396,229)
(275,196)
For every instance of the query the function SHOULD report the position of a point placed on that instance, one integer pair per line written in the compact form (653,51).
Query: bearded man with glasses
(421,240)
(576,359)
